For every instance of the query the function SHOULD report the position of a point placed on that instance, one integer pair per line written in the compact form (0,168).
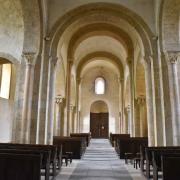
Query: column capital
(120,80)
(59,99)
(129,60)
(128,108)
(72,107)
(78,80)
(70,60)
(173,56)
(148,58)
(141,100)
(29,57)
(53,60)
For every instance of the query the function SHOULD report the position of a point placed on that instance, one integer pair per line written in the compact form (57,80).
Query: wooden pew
(20,167)
(114,138)
(142,157)
(156,158)
(149,156)
(170,166)
(85,135)
(45,155)
(53,151)
(131,146)
(76,145)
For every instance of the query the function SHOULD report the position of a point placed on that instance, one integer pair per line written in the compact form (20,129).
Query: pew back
(20,167)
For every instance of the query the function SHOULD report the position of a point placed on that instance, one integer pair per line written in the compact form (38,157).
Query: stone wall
(11,28)
(6,119)
(143,8)
(111,97)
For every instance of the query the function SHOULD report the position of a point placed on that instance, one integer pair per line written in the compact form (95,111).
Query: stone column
(128,120)
(68,95)
(78,82)
(50,101)
(159,119)
(137,118)
(132,86)
(0,75)
(141,101)
(72,118)
(150,101)
(27,99)
(121,102)
(42,101)
(59,123)
(175,99)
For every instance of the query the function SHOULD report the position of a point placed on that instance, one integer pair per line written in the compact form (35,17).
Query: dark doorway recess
(99,125)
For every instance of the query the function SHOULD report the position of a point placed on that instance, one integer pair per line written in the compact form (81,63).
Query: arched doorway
(99,120)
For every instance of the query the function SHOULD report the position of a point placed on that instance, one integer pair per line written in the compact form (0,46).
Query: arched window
(5,80)
(99,85)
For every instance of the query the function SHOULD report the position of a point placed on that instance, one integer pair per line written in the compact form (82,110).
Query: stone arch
(99,29)
(99,106)
(117,10)
(90,57)
(169,23)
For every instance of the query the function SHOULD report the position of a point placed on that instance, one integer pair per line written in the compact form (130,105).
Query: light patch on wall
(86,124)
(5,81)
(112,124)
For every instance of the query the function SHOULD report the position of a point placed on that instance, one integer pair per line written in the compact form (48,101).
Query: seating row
(162,159)
(47,156)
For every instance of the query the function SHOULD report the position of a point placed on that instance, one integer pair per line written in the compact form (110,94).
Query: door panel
(99,125)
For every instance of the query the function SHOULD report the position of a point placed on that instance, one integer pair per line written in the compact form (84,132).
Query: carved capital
(78,80)
(72,107)
(129,60)
(59,99)
(53,60)
(141,100)
(120,80)
(29,57)
(173,57)
(128,108)
(148,59)
(70,60)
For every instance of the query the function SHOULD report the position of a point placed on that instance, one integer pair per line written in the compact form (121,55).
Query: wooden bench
(20,166)
(114,138)
(170,166)
(131,146)
(76,145)
(85,135)
(45,164)
(149,156)
(156,156)
(55,158)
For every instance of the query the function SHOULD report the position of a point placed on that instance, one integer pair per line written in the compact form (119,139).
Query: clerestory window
(99,85)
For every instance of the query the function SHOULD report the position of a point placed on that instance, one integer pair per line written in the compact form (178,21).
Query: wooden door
(99,125)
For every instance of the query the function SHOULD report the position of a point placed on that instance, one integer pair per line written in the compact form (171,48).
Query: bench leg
(155,173)
(148,170)
(47,172)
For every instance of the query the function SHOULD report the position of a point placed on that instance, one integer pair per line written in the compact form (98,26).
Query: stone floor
(100,162)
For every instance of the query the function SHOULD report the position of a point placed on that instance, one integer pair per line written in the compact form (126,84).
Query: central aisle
(100,162)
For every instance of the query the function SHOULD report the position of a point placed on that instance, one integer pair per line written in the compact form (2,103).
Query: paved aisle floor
(100,162)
